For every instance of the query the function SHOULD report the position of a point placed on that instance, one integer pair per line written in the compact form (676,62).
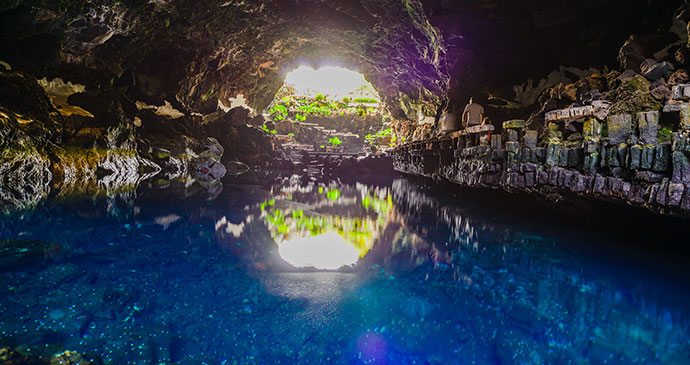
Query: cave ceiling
(416,53)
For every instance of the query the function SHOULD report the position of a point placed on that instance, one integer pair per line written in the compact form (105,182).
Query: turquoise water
(294,269)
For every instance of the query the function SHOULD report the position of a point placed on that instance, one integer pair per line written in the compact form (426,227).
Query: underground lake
(408,271)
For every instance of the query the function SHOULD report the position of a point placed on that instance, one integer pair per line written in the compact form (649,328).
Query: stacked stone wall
(624,158)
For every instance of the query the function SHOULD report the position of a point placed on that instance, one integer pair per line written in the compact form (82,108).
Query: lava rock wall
(630,166)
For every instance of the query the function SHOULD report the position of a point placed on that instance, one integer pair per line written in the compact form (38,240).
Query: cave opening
(330,109)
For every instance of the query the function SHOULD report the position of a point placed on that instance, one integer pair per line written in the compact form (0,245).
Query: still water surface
(297,270)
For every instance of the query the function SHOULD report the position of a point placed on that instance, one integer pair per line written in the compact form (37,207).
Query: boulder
(620,128)
(658,70)
(531,138)
(552,154)
(679,77)
(647,157)
(514,124)
(661,92)
(662,157)
(512,146)
(631,54)
(648,126)
(635,155)
(653,71)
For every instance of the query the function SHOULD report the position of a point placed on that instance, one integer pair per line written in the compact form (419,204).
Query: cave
(344,181)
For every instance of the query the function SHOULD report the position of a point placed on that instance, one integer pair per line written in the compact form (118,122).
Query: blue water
(435,276)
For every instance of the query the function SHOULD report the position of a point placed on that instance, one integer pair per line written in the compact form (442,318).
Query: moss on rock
(632,96)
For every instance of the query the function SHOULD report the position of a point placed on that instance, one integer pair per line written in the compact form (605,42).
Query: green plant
(335,141)
(279,112)
(320,105)
(384,133)
(365,100)
(664,135)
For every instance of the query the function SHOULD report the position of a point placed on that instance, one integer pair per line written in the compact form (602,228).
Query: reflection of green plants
(358,231)
(333,194)
(285,224)
(378,205)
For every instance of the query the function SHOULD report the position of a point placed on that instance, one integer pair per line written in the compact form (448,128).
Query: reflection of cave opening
(330,109)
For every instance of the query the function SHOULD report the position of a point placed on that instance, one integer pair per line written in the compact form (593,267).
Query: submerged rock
(11,357)
(70,358)
(16,254)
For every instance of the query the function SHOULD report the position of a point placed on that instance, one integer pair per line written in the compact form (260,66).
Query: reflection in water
(327,251)
(292,270)
(320,226)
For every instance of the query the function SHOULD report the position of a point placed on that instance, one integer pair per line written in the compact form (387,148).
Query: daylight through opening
(330,109)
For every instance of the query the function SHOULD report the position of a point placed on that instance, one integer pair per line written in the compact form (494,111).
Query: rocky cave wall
(93,88)
(86,83)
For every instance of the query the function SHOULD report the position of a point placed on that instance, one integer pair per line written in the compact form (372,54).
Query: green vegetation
(272,131)
(365,100)
(664,135)
(335,141)
(299,108)
(374,138)
(279,112)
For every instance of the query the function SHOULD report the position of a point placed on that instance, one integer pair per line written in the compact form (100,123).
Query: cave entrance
(330,109)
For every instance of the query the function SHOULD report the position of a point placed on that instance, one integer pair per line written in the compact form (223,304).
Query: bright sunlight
(333,82)
(327,251)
